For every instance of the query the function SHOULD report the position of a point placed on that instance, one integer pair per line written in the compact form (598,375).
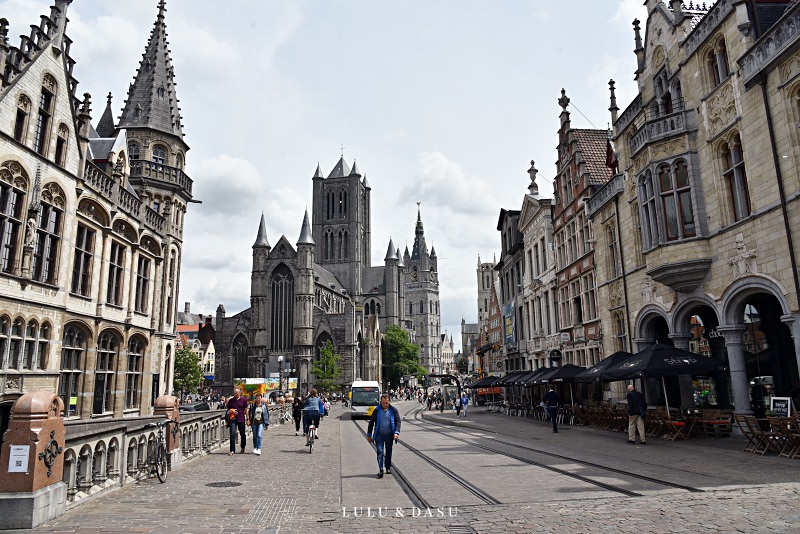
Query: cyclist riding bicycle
(312,407)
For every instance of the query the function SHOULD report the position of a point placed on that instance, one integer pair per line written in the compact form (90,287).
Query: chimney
(186,308)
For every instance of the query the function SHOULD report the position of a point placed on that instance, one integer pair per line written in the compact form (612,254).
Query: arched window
(421,306)
(107,351)
(676,200)
(133,374)
(61,145)
(31,333)
(142,284)
(72,354)
(179,161)
(613,250)
(282,313)
(15,348)
(21,120)
(116,268)
(11,206)
(133,151)
(649,218)
(159,154)
(717,63)
(736,178)
(82,263)
(48,235)
(41,133)
(240,357)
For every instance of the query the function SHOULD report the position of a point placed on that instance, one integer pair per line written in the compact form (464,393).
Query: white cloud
(627,10)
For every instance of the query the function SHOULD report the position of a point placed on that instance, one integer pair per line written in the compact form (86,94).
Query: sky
(443,102)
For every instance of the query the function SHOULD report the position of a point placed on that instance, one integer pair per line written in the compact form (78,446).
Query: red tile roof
(592,144)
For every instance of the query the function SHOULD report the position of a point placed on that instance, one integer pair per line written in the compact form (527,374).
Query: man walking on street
(384,429)
(464,402)
(551,401)
(238,404)
(637,409)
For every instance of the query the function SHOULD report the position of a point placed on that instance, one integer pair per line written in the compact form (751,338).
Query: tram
(365,396)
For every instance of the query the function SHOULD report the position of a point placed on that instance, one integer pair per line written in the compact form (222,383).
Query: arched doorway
(653,328)
(702,324)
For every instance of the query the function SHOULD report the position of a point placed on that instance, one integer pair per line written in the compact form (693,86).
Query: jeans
(552,411)
(240,427)
(258,433)
(384,444)
(308,418)
(465,409)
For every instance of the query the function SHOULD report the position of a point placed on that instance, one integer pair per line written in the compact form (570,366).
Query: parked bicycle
(285,416)
(159,460)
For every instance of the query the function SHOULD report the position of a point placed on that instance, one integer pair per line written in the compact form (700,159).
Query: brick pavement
(288,490)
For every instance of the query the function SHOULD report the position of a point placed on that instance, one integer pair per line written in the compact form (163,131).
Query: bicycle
(312,435)
(285,417)
(159,462)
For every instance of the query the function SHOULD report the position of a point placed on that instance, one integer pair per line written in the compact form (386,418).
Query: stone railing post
(167,406)
(32,462)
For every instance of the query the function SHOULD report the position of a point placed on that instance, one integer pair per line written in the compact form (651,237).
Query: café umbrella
(595,372)
(659,361)
(565,373)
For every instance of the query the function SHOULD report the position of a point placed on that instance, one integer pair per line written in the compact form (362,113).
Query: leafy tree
(188,371)
(328,370)
(400,356)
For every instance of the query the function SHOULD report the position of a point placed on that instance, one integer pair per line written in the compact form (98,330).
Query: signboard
(781,406)
(18,458)
(508,323)
(555,355)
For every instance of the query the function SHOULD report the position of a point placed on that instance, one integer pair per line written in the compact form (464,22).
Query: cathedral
(323,287)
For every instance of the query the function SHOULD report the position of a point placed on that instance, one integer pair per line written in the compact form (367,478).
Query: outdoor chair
(765,439)
(790,438)
(744,428)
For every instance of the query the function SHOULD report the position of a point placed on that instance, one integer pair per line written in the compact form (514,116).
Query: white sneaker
(297,433)
(258,452)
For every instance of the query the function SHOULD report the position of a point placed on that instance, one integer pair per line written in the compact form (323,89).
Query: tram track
(417,414)
(415,494)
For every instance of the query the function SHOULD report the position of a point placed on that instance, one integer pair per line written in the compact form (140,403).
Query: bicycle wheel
(311,434)
(161,464)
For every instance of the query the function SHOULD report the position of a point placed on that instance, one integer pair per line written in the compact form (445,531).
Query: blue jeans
(384,444)
(258,432)
(308,419)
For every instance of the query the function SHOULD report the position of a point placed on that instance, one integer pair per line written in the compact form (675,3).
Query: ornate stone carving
(790,68)
(658,57)
(12,172)
(53,195)
(92,211)
(744,261)
(615,294)
(721,109)
(12,384)
(648,292)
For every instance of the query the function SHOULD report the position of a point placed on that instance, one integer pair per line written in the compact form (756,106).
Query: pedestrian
(457,404)
(297,414)
(637,410)
(312,408)
(464,402)
(384,429)
(551,401)
(327,405)
(221,405)
(238,404)
(259,421)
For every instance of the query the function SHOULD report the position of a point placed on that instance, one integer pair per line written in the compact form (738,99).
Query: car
(194,407)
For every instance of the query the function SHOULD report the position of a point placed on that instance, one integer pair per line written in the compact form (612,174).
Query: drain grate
(460,529)
(226,484)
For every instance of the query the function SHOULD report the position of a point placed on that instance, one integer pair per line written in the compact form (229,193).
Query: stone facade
(92,232)
(699,225)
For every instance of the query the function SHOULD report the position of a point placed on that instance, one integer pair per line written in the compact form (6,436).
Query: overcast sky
(443,102)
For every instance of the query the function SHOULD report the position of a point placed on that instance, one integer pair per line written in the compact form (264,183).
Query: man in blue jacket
(384,429)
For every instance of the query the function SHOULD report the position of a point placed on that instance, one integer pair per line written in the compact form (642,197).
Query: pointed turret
(433,251)
(152,101)
(391,252)
(366,183)
(318,174)
(105,128)
(420,249)
(305,232)
(261,238)
(354,171)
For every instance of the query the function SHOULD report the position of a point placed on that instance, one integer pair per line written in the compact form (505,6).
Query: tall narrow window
(142,284)
(133,151)
(5,324)
(613,250)
(736,178)
(649,217)
(133,374)
(82,265)
(72,351)
(282,317)
(159,154)
(21,120)
(45,251)
(107,350)
(116,267)
(44,115)
(31,332)
(11,204)
(61,145)
(15,348)
(43,349)
(676,201)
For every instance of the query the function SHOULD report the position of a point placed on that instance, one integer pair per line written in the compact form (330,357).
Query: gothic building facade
(91,221)
(324,288)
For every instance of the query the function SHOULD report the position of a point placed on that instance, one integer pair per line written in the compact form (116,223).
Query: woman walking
(297,414)
(259,421)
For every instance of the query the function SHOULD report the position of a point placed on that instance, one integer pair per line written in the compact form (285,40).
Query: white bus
(365,396)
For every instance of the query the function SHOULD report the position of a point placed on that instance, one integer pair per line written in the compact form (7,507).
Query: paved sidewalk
(289,490)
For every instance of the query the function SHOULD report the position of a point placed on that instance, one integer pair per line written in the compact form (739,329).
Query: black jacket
(636,403)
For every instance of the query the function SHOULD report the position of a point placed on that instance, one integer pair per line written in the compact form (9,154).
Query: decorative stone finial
(564,100)
(637,34)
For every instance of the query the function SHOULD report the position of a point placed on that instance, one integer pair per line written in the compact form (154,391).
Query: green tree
(188,371)
(328,370)
(400,356)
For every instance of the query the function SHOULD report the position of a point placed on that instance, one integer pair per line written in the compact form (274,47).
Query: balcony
(664,127)
(772,46)
(143,170)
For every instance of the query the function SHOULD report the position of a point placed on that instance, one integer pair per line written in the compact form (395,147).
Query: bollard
(32,462)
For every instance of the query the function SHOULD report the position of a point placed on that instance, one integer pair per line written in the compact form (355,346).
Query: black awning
(485,382)
(509,379)
(486,347)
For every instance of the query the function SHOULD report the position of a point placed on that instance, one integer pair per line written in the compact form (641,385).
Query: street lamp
(285,372)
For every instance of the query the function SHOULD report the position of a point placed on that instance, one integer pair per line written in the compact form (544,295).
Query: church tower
(157,154)
(341,223)
(422,299)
